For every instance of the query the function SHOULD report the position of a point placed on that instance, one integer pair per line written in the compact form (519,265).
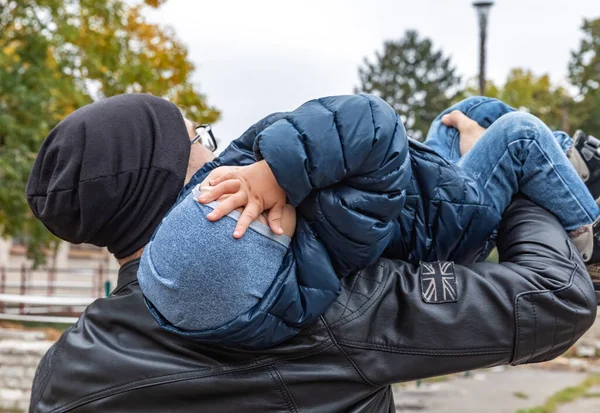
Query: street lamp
(483,11)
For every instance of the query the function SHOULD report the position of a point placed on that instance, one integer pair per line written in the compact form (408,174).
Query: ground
(526,389)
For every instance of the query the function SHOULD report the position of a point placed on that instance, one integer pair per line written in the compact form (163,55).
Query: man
(109,173)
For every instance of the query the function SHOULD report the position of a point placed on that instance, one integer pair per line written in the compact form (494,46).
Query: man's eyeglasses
(205,136)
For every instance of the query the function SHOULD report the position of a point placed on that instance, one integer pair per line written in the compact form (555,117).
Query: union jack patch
(438,282)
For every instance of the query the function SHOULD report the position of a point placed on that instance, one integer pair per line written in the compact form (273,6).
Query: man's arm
(408,322)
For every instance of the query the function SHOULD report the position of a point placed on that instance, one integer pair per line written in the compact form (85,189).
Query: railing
(50,295)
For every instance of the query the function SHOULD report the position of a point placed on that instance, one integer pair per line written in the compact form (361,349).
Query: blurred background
(230,63)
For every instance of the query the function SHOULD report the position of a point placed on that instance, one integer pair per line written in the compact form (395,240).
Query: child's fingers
(251,213)
(275,219)
(209,194)
(224,177)
(237,200)
(218,173)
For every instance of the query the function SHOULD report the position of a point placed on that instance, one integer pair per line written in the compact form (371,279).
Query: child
(362,189)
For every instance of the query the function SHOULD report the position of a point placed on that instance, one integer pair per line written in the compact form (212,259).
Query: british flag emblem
(438,282)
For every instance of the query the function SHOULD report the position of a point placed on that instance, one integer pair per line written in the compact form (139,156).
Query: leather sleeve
(400,322)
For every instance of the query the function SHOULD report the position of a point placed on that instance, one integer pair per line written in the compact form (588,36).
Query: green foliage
(525,91)
(416,80)
(584,73)
(564,396)
(553,104)
(58,55)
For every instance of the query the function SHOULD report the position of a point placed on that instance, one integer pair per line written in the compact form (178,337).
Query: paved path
(591,405)
(493,391)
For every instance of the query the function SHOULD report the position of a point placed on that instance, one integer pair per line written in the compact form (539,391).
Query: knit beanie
(198,276)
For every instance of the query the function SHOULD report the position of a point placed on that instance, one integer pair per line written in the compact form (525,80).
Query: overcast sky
(261,56)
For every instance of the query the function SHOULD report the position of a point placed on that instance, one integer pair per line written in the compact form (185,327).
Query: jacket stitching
(587,303)
(323,218)
(426,352)
(177,377)
(555,329)
(535,328)
(305,148)
(378,178)
(361,309)
(289,401)
(337,129)
(353,291)
(527,293)
(571,249)
(573,279)
(372,113)
(348,300)
(55,357)
(278,385)
(518,335)
(339,347)
(368,279)
(576,325)
(391,142)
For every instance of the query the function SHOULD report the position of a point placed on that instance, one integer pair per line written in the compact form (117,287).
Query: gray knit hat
(197,276)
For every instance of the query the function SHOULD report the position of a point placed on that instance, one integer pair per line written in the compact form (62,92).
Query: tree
(535,94)
(584,73)
(416,80)
(57,55)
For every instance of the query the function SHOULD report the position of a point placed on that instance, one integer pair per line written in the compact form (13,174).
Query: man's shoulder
(360,290)
(116,347)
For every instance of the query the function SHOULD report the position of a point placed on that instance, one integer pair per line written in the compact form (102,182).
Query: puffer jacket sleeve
(238,153)
(344,162)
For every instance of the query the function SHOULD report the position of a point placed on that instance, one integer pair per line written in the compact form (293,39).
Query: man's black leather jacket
(393,322)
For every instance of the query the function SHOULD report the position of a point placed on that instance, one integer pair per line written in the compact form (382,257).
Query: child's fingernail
(280,230)
(205,189)
(212,182)
(236,233)
(211,215)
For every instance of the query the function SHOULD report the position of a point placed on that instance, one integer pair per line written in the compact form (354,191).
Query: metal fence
(51,294)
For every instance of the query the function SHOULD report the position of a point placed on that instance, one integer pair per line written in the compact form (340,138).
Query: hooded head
(109,172)
(197,276)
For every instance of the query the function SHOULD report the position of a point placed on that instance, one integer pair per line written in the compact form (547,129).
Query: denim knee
(517,126)
(466,104)
(484,110)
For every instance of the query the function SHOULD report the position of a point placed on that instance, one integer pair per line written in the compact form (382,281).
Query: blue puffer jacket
(362,189)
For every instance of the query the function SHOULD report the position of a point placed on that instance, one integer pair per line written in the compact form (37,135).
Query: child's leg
(518,153)
(564,141)
(483,110)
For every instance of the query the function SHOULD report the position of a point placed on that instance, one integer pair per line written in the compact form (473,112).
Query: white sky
(261,56)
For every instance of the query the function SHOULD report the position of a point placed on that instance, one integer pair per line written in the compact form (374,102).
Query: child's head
(198,276)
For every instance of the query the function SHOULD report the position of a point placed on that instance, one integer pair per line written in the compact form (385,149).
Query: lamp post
(483,11)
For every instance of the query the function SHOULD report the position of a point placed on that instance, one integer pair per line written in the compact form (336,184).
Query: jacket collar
(127,274)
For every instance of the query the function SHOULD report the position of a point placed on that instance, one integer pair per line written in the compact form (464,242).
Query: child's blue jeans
(517,153)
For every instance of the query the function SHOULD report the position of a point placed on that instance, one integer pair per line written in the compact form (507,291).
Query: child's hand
(469,130)
(253,187)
